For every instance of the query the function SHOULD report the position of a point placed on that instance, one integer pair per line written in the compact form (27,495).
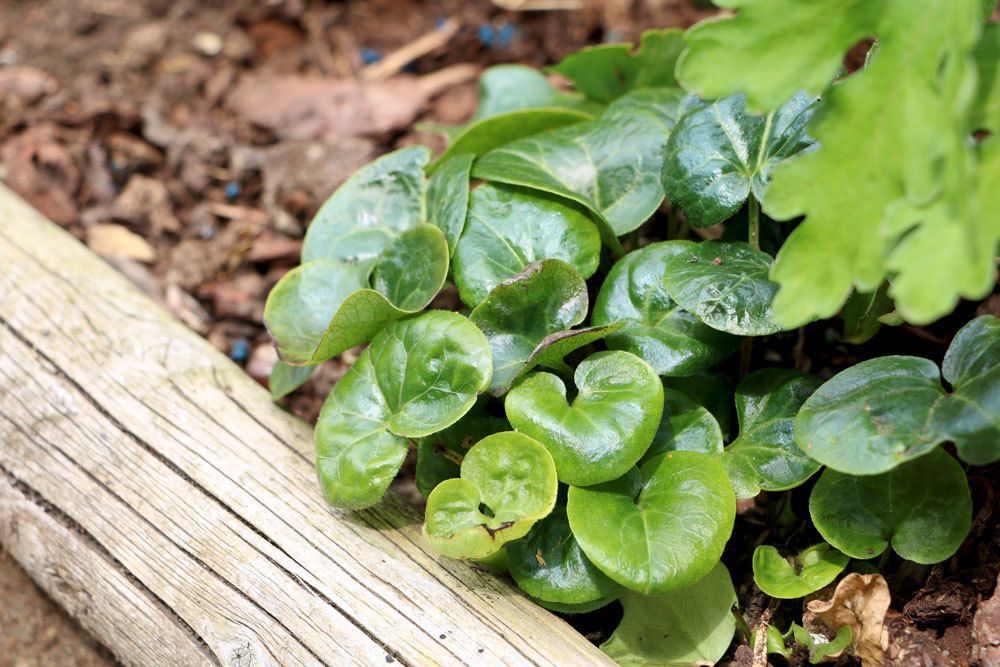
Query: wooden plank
(154,490)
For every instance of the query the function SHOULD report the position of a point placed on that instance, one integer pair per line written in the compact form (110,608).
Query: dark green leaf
(448,197)
(368,211)
(583,608)
(286,378)
(607,427)
(712,390)
(509,228)
(685,426)
(654,548)
(922,507)
(788,579)
(691,626)
(668,338)
(507,483)
(719,154)
(863,313)
(438,454)
(726,285)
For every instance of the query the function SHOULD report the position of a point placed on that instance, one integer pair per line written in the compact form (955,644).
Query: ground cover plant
(622,250)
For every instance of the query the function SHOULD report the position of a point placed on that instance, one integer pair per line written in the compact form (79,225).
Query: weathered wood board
(153,489)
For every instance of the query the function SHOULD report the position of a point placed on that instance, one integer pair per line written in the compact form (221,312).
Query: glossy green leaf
(712,390)
(922,508)
(482,136)
(719,154)
(286,378)
(725,285)
(819,646)
(448,197)
(667,337)
(419,376)
(672,518)
(797,577)
(507,483)
(370,209)
(582,608)
(549,565)
(685,426)
(509,228)
(505,88)
(323,307)
(691,626)
(611,165)
(550,352)
(439,454)
(605,430)
(606,72)
(764,457)
(986,109)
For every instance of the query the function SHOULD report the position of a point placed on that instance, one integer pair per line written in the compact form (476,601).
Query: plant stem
(753,218)
(742,625)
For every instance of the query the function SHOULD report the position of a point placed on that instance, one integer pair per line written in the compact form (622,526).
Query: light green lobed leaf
(986,108)
(607,427)
(323,307)
(505,88)
(370,209)
(448,197)
(719,154)
(667,337)
(922,508)
(788,579)
(507,483)
(685,426)
(673,517)
(819,647)
(509,228)
(419,376)
(725,284)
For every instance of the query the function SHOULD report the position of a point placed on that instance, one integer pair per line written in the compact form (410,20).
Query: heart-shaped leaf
(286,378)
(712,390)
(611,165)
(719,154)
(482,136)
(691,626)
(546,297)
(507,483)
(505,88)
(448,197)
(788,579)
(764,456)
(885,411)
(923,508)
(323,307)
(685,426)
(418,376)
(370,209)
(672,517)
(608,426)
(509,228)
(667,337)
(549,565)
(725,285)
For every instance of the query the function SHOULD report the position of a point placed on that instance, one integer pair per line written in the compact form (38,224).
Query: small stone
(207,43)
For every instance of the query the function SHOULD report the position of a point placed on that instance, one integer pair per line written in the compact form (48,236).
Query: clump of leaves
(573,417)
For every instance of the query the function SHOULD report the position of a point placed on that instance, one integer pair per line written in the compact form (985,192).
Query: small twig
(538,5)
(404,55)
(760,638)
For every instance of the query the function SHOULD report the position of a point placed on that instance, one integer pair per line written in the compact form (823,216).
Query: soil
(139,127)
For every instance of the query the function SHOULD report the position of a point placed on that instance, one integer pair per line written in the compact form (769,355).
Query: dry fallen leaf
(861,602)
(116,241)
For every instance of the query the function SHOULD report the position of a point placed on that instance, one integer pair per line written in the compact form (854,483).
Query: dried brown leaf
(861,602)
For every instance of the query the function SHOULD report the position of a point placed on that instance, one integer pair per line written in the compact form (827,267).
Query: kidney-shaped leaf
(320,309)
(418,376)
(448,197)
(608,426)
(726,285)
(685,426)
(791,578)
(719,154)
(667,337)
(691,626)
(549,565)
(509,228)
(507,483)
(923,508)
(671,518)
(366,213)
(764,456)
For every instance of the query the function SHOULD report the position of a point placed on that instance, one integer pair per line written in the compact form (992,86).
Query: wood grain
(154,490)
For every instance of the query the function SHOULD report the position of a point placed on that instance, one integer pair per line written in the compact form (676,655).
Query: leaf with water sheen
(370,209)
(719,154)
(788,579)
(672,516)
(509,228)
(507,483)
(726,285)
(605,430)
(691,626)
(923,508)
(685,426)
(448,197)
(667,337)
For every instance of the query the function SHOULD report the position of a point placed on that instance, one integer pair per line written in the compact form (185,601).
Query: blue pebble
(485,34)
(369,55)
(504,36)
(233,190)
(240,350)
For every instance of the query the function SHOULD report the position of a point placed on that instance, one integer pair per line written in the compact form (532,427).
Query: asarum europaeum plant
(568,425)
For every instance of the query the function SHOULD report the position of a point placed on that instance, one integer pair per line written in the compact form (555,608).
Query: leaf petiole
(753,218)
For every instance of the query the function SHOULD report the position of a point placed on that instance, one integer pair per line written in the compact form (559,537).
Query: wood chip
(117,241)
